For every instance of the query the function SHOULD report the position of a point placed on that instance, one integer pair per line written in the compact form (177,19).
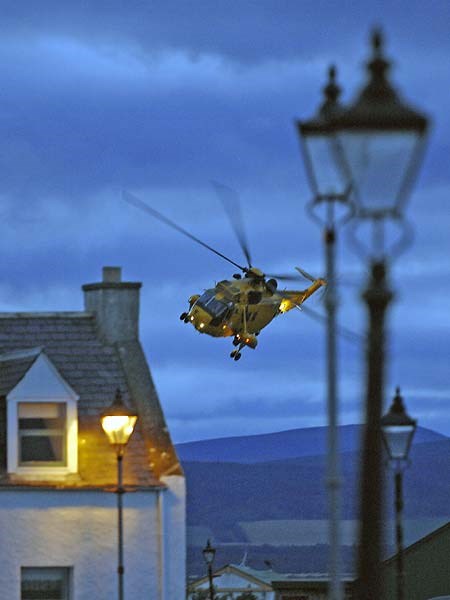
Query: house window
(42,424)
(45,583)
(42,433)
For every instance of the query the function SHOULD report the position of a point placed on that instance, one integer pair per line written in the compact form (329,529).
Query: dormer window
(42,423)
(42,434)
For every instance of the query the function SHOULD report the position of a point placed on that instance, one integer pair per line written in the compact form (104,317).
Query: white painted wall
(79,529)
(174,546)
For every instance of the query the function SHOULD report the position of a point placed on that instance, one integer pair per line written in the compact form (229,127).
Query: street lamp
(208,554)
(118,422)
(379,141)
(398,430)
(330,189)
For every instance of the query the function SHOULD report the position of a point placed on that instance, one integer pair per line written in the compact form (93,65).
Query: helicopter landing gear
(236,354)
(183,316)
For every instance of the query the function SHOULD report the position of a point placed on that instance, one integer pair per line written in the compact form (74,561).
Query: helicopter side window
(254,297)
(214,307)
(205,298)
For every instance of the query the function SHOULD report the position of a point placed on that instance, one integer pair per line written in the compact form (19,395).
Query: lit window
(42,433)
(45,583)
(42,424)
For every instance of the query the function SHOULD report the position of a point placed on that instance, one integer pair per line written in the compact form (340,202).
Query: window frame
(71,439)
(67,578)
(42,433)
(42,384)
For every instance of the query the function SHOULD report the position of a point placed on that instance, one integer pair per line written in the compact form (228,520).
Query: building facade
(240,582)
(426,568)
(233,582)
(58,473)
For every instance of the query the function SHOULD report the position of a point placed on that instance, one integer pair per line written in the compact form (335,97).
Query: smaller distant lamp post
(208,554)
(397,430)
(118,423)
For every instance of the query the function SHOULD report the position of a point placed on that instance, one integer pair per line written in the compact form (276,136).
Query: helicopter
(244,305)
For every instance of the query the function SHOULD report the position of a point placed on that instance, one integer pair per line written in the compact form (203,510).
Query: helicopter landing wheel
(235,342)
(233,353)
(237,356)
(183,316)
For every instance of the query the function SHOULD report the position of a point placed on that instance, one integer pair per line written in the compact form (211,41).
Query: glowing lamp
(285,305)
(118,422)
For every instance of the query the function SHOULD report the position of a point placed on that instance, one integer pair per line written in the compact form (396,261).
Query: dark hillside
(277,503)
(281,445)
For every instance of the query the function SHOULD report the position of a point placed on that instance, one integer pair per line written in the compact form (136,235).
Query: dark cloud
(245,31)
(159,98)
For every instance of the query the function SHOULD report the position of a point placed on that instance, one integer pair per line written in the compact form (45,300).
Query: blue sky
(160,98)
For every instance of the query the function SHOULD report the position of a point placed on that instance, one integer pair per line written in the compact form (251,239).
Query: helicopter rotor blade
(137,202)
(348,334)
(283,277)
(290,277)
(232,208)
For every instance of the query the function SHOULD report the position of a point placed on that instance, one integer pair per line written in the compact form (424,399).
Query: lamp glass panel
(209,555)
(378,164)
(398,439)
(118,428)
(328,178)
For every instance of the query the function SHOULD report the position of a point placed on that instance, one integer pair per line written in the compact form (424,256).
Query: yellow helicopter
(243,306)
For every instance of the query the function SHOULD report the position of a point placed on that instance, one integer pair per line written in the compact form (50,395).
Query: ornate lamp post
(208,554)
(398,431)
(379,141)
(118,423)
(330,189)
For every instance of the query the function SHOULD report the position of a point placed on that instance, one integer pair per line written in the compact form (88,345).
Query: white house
(241,582)
(58,509)
(232,581)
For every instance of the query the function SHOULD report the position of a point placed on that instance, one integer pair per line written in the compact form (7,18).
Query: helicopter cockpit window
(214,307)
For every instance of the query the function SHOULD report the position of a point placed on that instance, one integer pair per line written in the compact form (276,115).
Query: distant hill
(268,491)
(295,443)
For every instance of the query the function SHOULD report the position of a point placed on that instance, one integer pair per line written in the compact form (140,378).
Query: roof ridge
(20,354)
(62,314)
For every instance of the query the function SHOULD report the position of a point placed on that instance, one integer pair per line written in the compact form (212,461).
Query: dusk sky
(160,98)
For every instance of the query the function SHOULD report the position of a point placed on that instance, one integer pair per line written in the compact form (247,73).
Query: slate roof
(94,369)
(13,366)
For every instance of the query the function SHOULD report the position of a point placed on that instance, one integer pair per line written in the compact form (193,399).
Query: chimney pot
(112,274)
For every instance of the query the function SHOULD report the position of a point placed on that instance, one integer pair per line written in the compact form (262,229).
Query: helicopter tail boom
(293,299)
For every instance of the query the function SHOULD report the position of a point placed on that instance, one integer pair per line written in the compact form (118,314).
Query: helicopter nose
(199,319)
